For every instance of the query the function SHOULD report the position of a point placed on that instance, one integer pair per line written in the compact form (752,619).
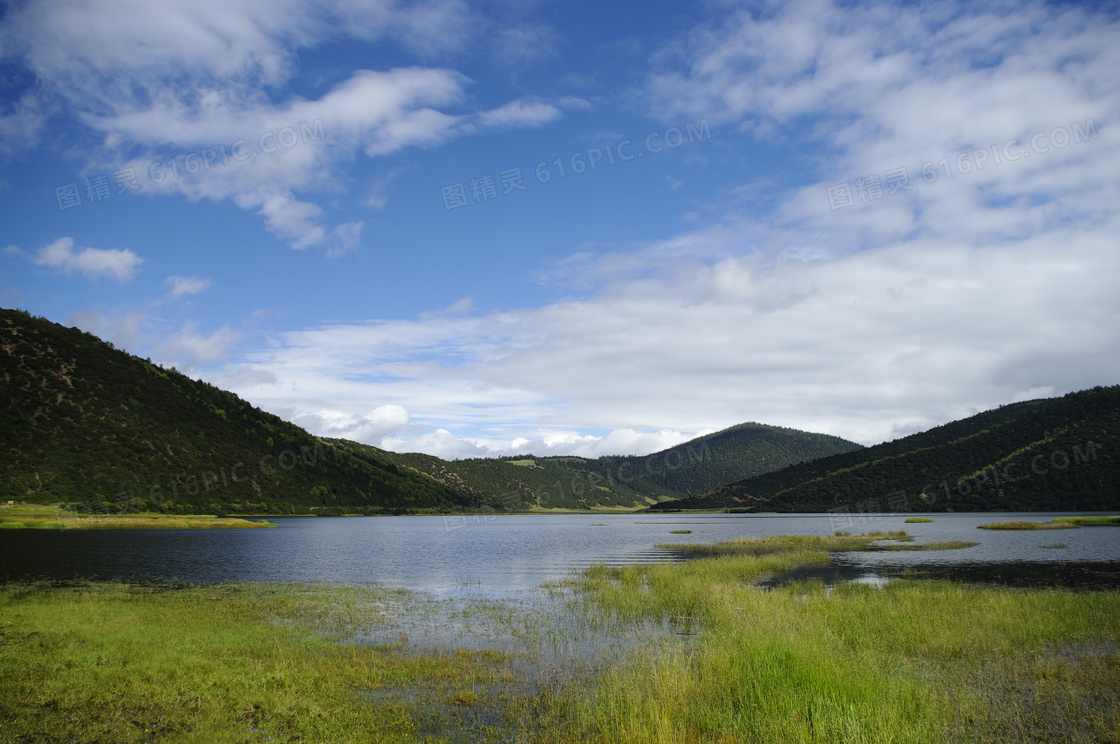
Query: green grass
(946,545)
(1055,525)
(109,662)
(915,662)
(1089,521)
(796,545)
(917,520)
(680,532)
(52,517)
(910,662)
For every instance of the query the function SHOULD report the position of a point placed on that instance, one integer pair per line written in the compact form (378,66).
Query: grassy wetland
(697,651)
(54,518)
(1021,525)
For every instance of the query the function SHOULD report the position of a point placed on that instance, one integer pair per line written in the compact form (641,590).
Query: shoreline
(53,518)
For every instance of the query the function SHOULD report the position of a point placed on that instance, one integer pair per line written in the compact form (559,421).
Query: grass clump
(1028,526)
(909,662)
(944,545)
(917,520)
(1089,521)
(680,532)
(54,518)
(787,545)
(113,662)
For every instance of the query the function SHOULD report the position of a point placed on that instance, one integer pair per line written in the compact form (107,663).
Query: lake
(496,556)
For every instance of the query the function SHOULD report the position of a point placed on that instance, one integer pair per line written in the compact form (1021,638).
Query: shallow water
(498,556)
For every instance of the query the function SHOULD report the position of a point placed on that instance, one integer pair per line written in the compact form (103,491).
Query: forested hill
(85,423)
(579,483)
(727,456)
(1047,455)
(93,426)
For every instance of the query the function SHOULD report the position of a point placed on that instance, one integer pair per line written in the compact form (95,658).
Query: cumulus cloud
(868,320)
(219,75)
(21,124)
(519,113)
(182,286)
(180,345)
(930,93)
(123,329)
(117,263)
(860,345)
(188,349)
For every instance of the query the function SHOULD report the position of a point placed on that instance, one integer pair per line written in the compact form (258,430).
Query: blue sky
(863,219)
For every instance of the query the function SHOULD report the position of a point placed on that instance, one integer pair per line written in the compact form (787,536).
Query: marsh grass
(112,662)
(944,545)
(680,532)
(788,545)
(1090,521)
(918,520)
(908,662)
(726,661)
(53,518)
(1055,525)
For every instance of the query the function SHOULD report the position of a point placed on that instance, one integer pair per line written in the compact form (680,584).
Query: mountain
(1053,454)
(622,481)
(742,451)
(87,423)
(103,430)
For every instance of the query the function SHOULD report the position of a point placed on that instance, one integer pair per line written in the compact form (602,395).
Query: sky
(522,226)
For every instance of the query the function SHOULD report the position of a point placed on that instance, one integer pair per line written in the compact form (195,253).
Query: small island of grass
(917,520)
(1090,521)
(55,518)
(945,545)
(1055,525)
(680,532)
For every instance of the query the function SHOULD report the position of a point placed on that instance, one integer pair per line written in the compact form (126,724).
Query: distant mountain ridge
(1052,454)
(93,426)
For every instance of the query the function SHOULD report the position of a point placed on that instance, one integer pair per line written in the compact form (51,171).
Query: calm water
(498,555)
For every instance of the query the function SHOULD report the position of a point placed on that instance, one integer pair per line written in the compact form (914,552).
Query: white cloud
(141,333)
(188,349)
(92,262)
(519,114)
(869,321)
(182,286)
(19,129)
(878,86)
(861,345)
(218,74)
(346,238)
(123,330)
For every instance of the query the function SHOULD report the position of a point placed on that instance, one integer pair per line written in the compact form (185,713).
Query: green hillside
(1046,455)
(88,424)
(578,483)
(95,427)
(727,456)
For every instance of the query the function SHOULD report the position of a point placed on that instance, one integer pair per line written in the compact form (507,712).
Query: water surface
(499,555)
